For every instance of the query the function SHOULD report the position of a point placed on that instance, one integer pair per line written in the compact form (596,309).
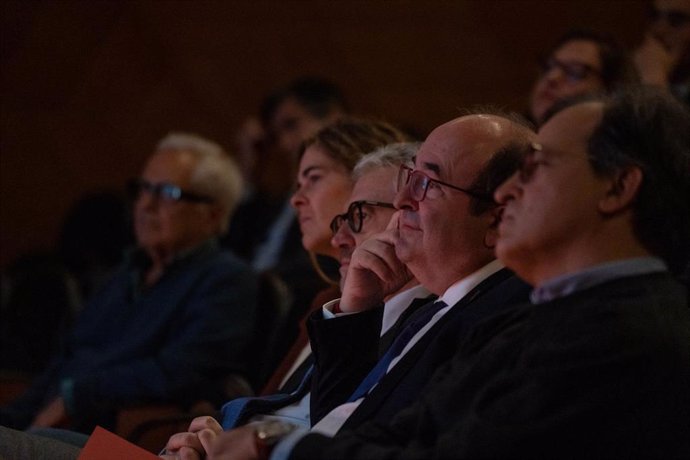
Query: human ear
(623,188)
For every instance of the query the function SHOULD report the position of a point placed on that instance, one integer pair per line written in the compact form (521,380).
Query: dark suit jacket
(345,349)
(602,373)
(351,354)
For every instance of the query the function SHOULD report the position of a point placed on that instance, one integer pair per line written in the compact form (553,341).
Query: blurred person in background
(663,58)
(581,62)
(265,231)
(178,313)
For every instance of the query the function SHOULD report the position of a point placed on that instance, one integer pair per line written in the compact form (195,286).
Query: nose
(403,199)
(508,190)
(343,238)
(554,74)
(145,200)
(298,199)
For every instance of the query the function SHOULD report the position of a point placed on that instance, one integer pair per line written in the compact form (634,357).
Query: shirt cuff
(328,308)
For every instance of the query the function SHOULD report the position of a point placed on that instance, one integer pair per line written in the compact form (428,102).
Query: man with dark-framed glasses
(174,318)
(455,244)
(356,214)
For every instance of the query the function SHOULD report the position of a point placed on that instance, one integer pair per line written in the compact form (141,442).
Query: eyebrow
(306,172)
(433,167)
(430,166)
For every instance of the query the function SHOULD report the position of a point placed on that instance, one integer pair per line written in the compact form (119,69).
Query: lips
(506,219)
(303,220)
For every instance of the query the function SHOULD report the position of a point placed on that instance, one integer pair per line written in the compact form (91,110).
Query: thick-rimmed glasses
(421,185)
(164,191)
(355,215)
(573,71)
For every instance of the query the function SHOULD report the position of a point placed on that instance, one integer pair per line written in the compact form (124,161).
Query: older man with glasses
(444,238)
(174,318)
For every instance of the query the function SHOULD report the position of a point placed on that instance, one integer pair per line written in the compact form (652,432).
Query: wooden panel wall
(89,86)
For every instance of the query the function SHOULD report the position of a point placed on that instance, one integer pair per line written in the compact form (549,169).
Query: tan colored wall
(88,87)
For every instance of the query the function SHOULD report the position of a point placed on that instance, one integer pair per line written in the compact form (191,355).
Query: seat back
(266,348)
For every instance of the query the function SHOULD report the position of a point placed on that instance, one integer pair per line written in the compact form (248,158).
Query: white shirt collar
(392,309)
(460,289)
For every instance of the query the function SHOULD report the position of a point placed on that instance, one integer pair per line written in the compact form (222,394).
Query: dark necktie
(239,410)
(417,321)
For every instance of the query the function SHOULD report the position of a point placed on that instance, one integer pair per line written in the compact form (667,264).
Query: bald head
(463,147)
(443,238)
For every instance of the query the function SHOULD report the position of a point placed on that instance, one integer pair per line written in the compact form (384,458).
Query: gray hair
(216,174)
(389,155)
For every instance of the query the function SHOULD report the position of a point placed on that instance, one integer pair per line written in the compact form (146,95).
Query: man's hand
(194,444)
(237,444)
(53,415)
(374,272)
(654,61)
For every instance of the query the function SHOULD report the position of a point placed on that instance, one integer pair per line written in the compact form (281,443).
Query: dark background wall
(89,86)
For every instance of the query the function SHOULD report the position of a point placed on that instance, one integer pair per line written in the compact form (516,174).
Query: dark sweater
(602,373)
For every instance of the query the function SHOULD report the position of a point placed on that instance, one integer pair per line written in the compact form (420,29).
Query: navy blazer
(403,384)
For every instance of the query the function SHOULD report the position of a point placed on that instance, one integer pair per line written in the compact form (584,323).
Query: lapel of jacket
(391,380)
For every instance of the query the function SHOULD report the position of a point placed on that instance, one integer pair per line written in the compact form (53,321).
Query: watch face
(270,432)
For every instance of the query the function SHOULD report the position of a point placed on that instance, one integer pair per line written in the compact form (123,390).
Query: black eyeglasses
(355,215)
(573,71)
(164,191)
(674,18)
(421,185)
